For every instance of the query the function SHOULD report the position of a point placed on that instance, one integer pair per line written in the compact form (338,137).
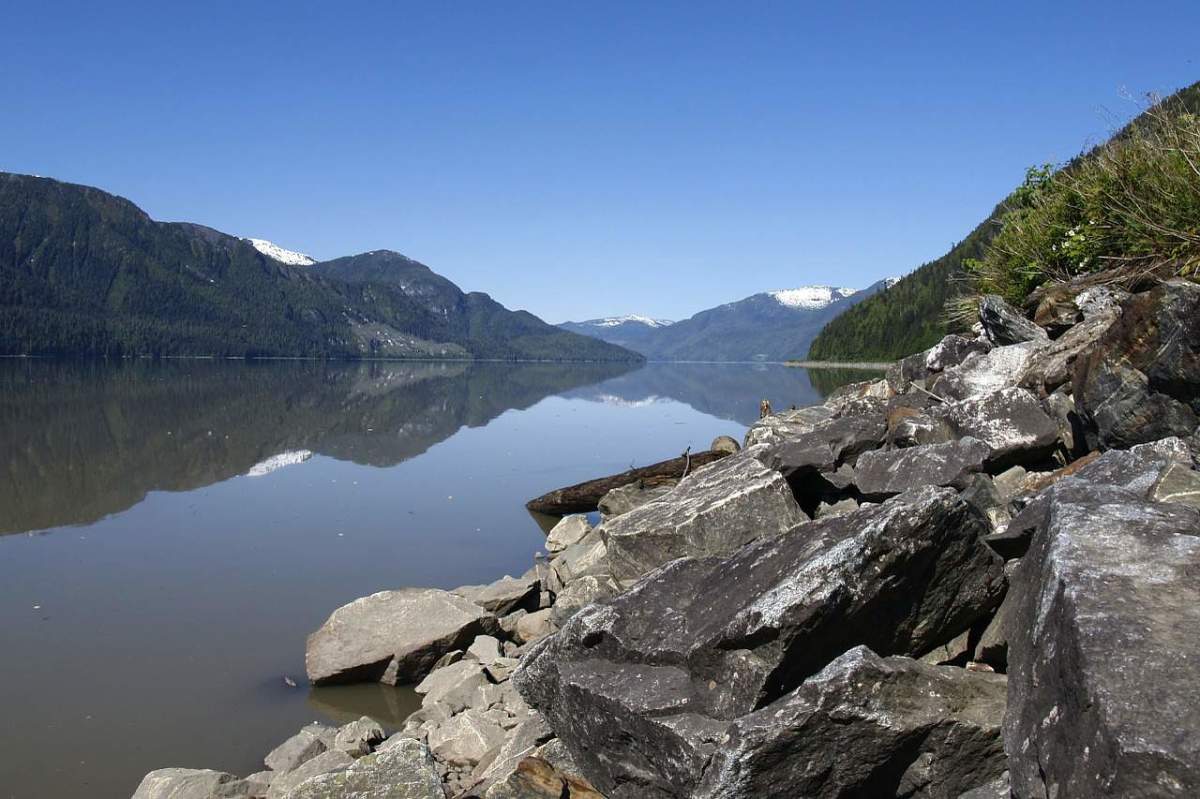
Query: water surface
(171,532)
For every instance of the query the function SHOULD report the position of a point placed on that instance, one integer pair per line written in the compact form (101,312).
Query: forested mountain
(770,326)
(83,272)
(911,316)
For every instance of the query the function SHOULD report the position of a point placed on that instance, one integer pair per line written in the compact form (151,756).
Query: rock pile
(973,578)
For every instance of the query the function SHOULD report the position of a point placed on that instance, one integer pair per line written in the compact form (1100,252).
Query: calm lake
(171,532)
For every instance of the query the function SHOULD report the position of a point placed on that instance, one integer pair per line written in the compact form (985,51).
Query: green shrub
(1131,209)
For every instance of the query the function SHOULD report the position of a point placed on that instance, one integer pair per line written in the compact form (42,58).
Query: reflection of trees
(83,440)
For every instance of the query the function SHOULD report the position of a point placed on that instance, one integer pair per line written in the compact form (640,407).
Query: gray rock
(504,595)
(865,726)
(626,498)
(1011,422)
(909,427)
(465,738)
(189,783)
(725,444)
(984,373)
(1104,688)
(581,593)
(393,636)
(992,647)
(839,508)
(786,424)
(640,687)
(1003,324)
(1141,382)
(956,652)
(885,473)
(454,686)
(949,352)
(1010,482)
(1053,364)
(588,557)
(283,786)
(535,626)
(358,738)
(571,530)
(522,742)
(485,649)
(715,510)
(1178,483)
(304,745)
(996,789)
(402,769)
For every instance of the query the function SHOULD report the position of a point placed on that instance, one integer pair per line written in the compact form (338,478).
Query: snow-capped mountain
(811,297)
(629,331)
(770,326)
(289,257)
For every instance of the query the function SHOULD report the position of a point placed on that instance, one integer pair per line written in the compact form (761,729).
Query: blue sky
(582,159)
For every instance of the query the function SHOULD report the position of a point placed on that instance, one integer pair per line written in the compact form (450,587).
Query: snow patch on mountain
(811,297)
(613,321)
(277,462)
(289,257)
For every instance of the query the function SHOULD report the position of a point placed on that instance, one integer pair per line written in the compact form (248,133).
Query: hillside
(769,326)
(911,316)
(84,272)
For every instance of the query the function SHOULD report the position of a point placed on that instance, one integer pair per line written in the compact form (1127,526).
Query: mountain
(770,326)
(631,331)
(911,316)
(289,257)
(84,272)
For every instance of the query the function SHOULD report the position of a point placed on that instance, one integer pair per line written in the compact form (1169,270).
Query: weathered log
(585,497)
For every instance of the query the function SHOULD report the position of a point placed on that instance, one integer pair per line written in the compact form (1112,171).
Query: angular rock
(1053,365)
(640,687)
(984,373)
(283,785)
(1104,687)
(304,745)
(998,788)
(485,649)
(570,530)
(866,726)
(839,508)
(454,686)
(626,498)
(504,595)
(909,427)
(535,626)
(713,511)
(465,738)
(950,351)
(581,593)
(885,473)
(358,738)
(402,769)
(1011,422)
(392,636)
(786,424)
(188,783)
(1141,382)
(588,557)
(521,742)
(1003,324)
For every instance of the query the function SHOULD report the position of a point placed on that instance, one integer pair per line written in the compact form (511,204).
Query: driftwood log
(585,497)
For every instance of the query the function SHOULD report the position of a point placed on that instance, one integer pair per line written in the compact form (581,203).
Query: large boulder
(402,768)
(985,372)
(393,636)
(786,424)
(189,783)
(304,745)
(950,351)
(1003,324)
(641,687)
(713,511)
(1104,682)
(1141,381)
(1011,422)
(866,726)
(506,594)
(885,473)
(283,785)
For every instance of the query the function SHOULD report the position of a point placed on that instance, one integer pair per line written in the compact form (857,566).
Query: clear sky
(582,159)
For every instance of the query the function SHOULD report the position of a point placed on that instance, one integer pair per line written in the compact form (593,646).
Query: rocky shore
(977,577)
